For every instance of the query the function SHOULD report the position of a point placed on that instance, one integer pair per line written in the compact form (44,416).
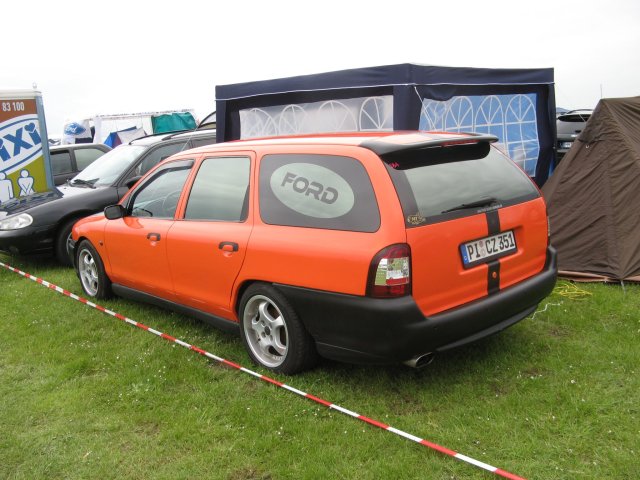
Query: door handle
(228,246)
(154,237)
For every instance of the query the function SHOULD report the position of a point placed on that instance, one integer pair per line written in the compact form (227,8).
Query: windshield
(106,169)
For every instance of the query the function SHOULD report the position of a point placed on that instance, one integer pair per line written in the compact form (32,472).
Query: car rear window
(317,191)
(61,162)
(443,183)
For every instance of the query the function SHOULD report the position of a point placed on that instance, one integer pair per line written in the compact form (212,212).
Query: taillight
(390,272)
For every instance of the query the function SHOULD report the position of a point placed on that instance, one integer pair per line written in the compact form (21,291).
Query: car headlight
(16,222)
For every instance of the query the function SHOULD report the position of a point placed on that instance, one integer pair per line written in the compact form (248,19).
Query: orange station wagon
(366,248)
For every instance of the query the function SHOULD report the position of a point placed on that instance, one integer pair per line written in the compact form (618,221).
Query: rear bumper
(368,330)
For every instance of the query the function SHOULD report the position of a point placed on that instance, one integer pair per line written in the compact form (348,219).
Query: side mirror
(132,181)
(114,212)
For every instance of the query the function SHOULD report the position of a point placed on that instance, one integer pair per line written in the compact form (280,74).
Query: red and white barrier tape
(421,441)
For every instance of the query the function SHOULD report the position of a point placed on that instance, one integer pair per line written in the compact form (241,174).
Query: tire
(272,333)
(63,254)
(90,270)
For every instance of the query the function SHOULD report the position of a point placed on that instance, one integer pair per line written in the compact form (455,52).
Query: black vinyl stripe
(493,222)
(493,274)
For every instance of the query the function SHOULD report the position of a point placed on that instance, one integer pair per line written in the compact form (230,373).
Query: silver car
(568,127)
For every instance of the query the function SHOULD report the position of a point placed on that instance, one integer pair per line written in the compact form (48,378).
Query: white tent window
(344,115)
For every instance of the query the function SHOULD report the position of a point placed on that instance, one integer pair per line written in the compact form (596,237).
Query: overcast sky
(114,57)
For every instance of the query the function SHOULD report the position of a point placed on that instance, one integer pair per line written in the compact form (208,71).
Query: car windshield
(106,169)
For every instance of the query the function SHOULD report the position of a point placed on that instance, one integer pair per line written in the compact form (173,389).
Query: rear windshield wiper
(79,181)
(484,202)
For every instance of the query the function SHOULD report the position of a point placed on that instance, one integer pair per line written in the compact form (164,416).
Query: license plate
(489,248)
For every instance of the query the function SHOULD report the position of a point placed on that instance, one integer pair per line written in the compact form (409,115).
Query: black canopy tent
(516,105)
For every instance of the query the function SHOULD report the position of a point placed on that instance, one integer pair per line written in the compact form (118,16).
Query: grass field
(84,396)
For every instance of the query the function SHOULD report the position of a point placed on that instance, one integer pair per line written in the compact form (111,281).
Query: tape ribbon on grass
(388,428)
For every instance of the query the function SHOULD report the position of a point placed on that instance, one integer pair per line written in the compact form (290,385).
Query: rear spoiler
(386,145)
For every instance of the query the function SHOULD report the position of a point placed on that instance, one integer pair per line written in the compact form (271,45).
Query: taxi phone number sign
(24,169)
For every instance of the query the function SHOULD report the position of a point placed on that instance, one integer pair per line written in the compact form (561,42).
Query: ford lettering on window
(312,190)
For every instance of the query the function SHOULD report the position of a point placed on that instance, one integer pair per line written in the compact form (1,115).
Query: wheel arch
(76,215)
(92,274)
(239,293)
(60,246)
(75,248)
(67,218)
(104,258)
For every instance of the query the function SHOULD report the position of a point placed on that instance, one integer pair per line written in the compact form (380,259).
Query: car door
(206,247)
(137,244)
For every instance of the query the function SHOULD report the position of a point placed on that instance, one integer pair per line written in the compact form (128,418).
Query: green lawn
(83,395)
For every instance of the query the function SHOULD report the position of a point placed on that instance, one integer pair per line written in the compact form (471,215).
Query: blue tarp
(113,140)
(517,105)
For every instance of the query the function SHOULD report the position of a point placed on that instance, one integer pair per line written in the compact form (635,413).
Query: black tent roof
(388,75)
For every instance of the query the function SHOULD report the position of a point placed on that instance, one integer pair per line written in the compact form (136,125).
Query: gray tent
(594,197)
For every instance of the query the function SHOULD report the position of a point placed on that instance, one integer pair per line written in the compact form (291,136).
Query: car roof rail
(165,135)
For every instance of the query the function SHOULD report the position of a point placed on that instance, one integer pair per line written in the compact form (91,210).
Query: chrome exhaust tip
(420,361)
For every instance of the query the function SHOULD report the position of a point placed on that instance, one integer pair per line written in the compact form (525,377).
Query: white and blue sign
(20,142)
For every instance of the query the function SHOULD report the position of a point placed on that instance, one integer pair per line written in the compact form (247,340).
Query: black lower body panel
(218,322)
(368,330)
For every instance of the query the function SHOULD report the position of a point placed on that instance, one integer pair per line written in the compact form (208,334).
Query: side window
(317,191)
(86,156)
(157,155)
(159,196)
(61,162)
(220,190)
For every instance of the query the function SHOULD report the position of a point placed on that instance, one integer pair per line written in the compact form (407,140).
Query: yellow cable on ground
(568,290)
(571,291)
